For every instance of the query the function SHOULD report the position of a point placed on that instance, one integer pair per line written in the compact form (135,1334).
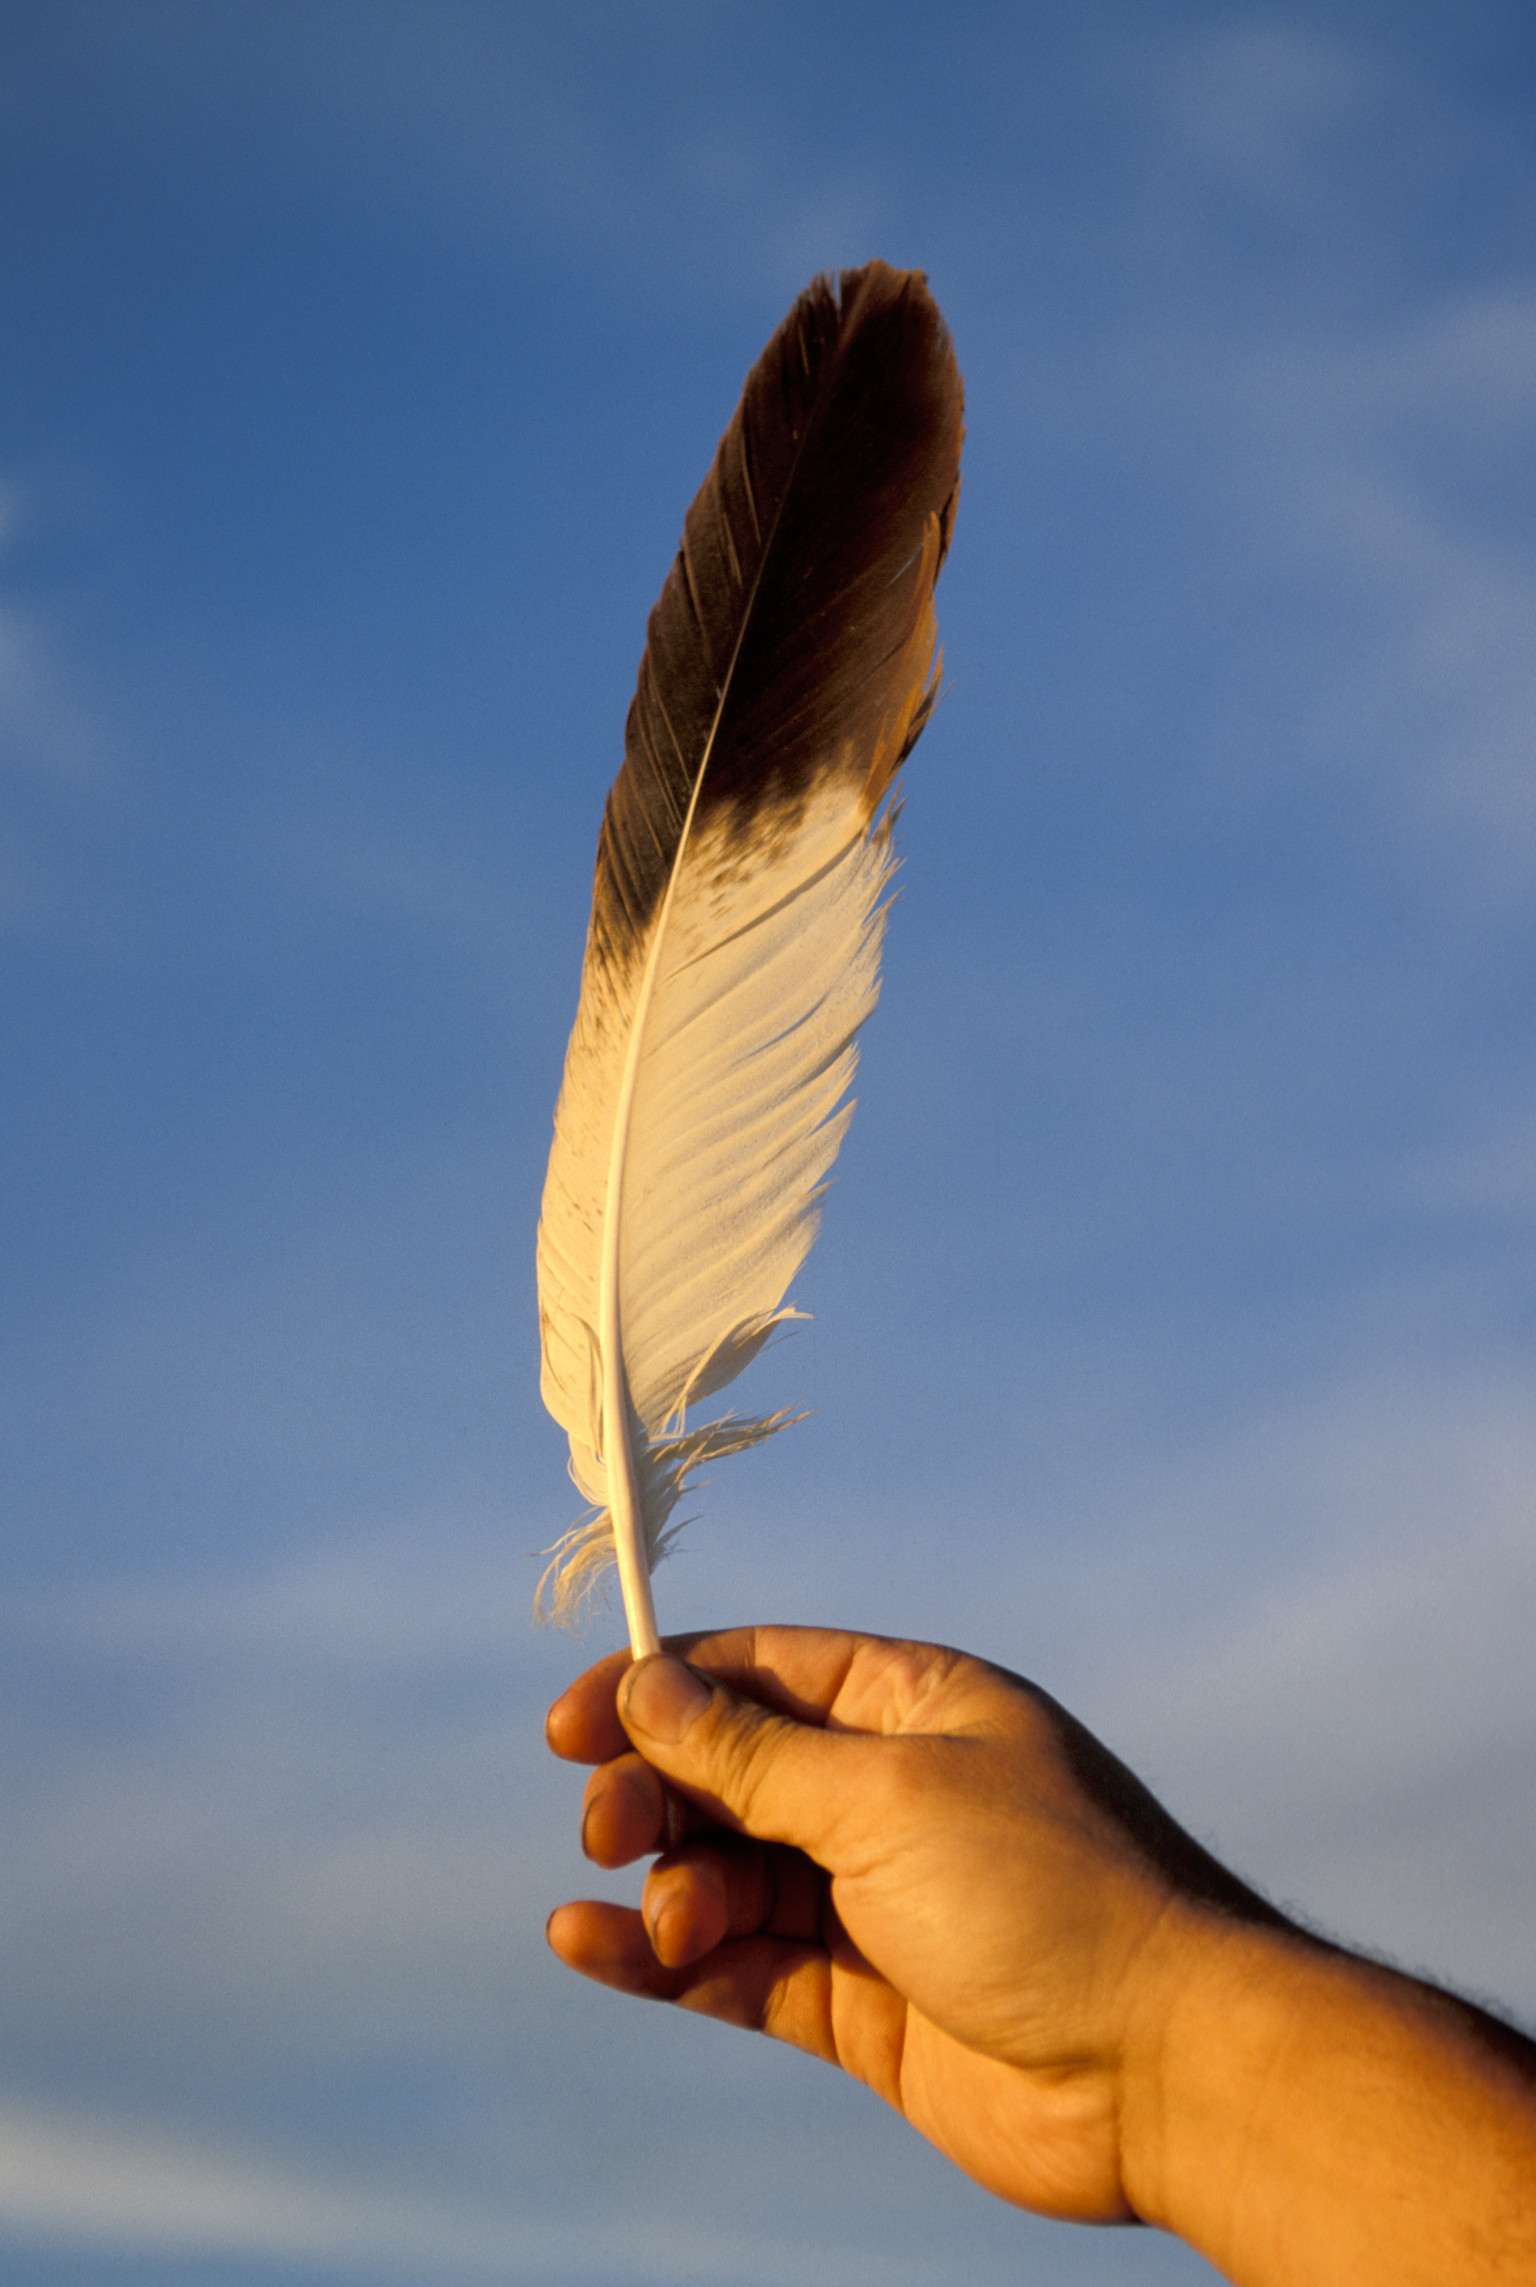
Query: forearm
(1313,2120)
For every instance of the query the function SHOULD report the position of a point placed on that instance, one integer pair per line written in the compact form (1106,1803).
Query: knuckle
(923,1680)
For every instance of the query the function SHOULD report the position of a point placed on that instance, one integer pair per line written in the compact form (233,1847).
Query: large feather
(738,908)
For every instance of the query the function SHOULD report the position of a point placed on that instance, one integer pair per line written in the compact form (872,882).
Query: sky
(1174,1331)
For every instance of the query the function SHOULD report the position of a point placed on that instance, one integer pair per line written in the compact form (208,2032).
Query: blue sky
(1175,1321)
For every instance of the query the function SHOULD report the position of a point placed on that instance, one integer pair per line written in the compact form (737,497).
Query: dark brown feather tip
(793,640)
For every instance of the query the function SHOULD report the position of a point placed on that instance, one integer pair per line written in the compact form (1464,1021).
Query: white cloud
(77,2180)
(82,2180)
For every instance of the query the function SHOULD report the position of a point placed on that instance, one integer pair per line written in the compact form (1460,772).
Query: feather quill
(734,949)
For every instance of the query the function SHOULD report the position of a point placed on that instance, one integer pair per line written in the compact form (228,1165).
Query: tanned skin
(920,1868)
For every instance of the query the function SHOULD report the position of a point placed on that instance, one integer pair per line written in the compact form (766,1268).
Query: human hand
(915,1866)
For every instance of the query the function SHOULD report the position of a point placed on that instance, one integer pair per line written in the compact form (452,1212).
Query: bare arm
(922,1869)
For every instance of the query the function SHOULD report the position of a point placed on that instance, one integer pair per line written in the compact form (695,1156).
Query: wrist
(1205,2051)
(1185,1983)
(1308,2119)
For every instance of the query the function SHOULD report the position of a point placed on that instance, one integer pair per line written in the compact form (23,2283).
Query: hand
(922,1869)
(916,1867)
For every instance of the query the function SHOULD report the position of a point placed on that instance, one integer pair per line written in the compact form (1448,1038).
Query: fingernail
(655,1927)
(662,1697)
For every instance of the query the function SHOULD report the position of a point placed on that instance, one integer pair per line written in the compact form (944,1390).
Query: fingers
(782,1780)
(609,1944)
(625,1812)
(700,1891)
(699,1895)
(764,1984)
(725,1887)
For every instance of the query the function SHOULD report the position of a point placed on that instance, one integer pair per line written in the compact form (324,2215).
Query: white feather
(760,970)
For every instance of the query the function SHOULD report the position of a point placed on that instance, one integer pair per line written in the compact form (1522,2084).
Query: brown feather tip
(794,639)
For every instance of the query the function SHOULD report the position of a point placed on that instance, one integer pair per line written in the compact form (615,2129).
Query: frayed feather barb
(582,1559)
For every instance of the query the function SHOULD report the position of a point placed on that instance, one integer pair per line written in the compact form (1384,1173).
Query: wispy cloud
(1258,102)
(85,2181)
(44,727)
(1357,488)
(89,2181)
(78,2180)
(1335,439)
(1489,1176)
(1440,697)
(504,126)
(1316,1632)
(55,751)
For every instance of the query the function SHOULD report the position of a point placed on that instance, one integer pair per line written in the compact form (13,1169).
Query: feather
(734,949)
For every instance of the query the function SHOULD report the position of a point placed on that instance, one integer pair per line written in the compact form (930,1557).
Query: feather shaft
(618,1446)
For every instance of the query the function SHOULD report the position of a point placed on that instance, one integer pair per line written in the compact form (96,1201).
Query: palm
(1043,2140)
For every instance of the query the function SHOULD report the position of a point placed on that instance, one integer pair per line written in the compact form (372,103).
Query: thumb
(762,1773)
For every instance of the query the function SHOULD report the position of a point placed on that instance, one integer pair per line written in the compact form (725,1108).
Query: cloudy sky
(1175,1318)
